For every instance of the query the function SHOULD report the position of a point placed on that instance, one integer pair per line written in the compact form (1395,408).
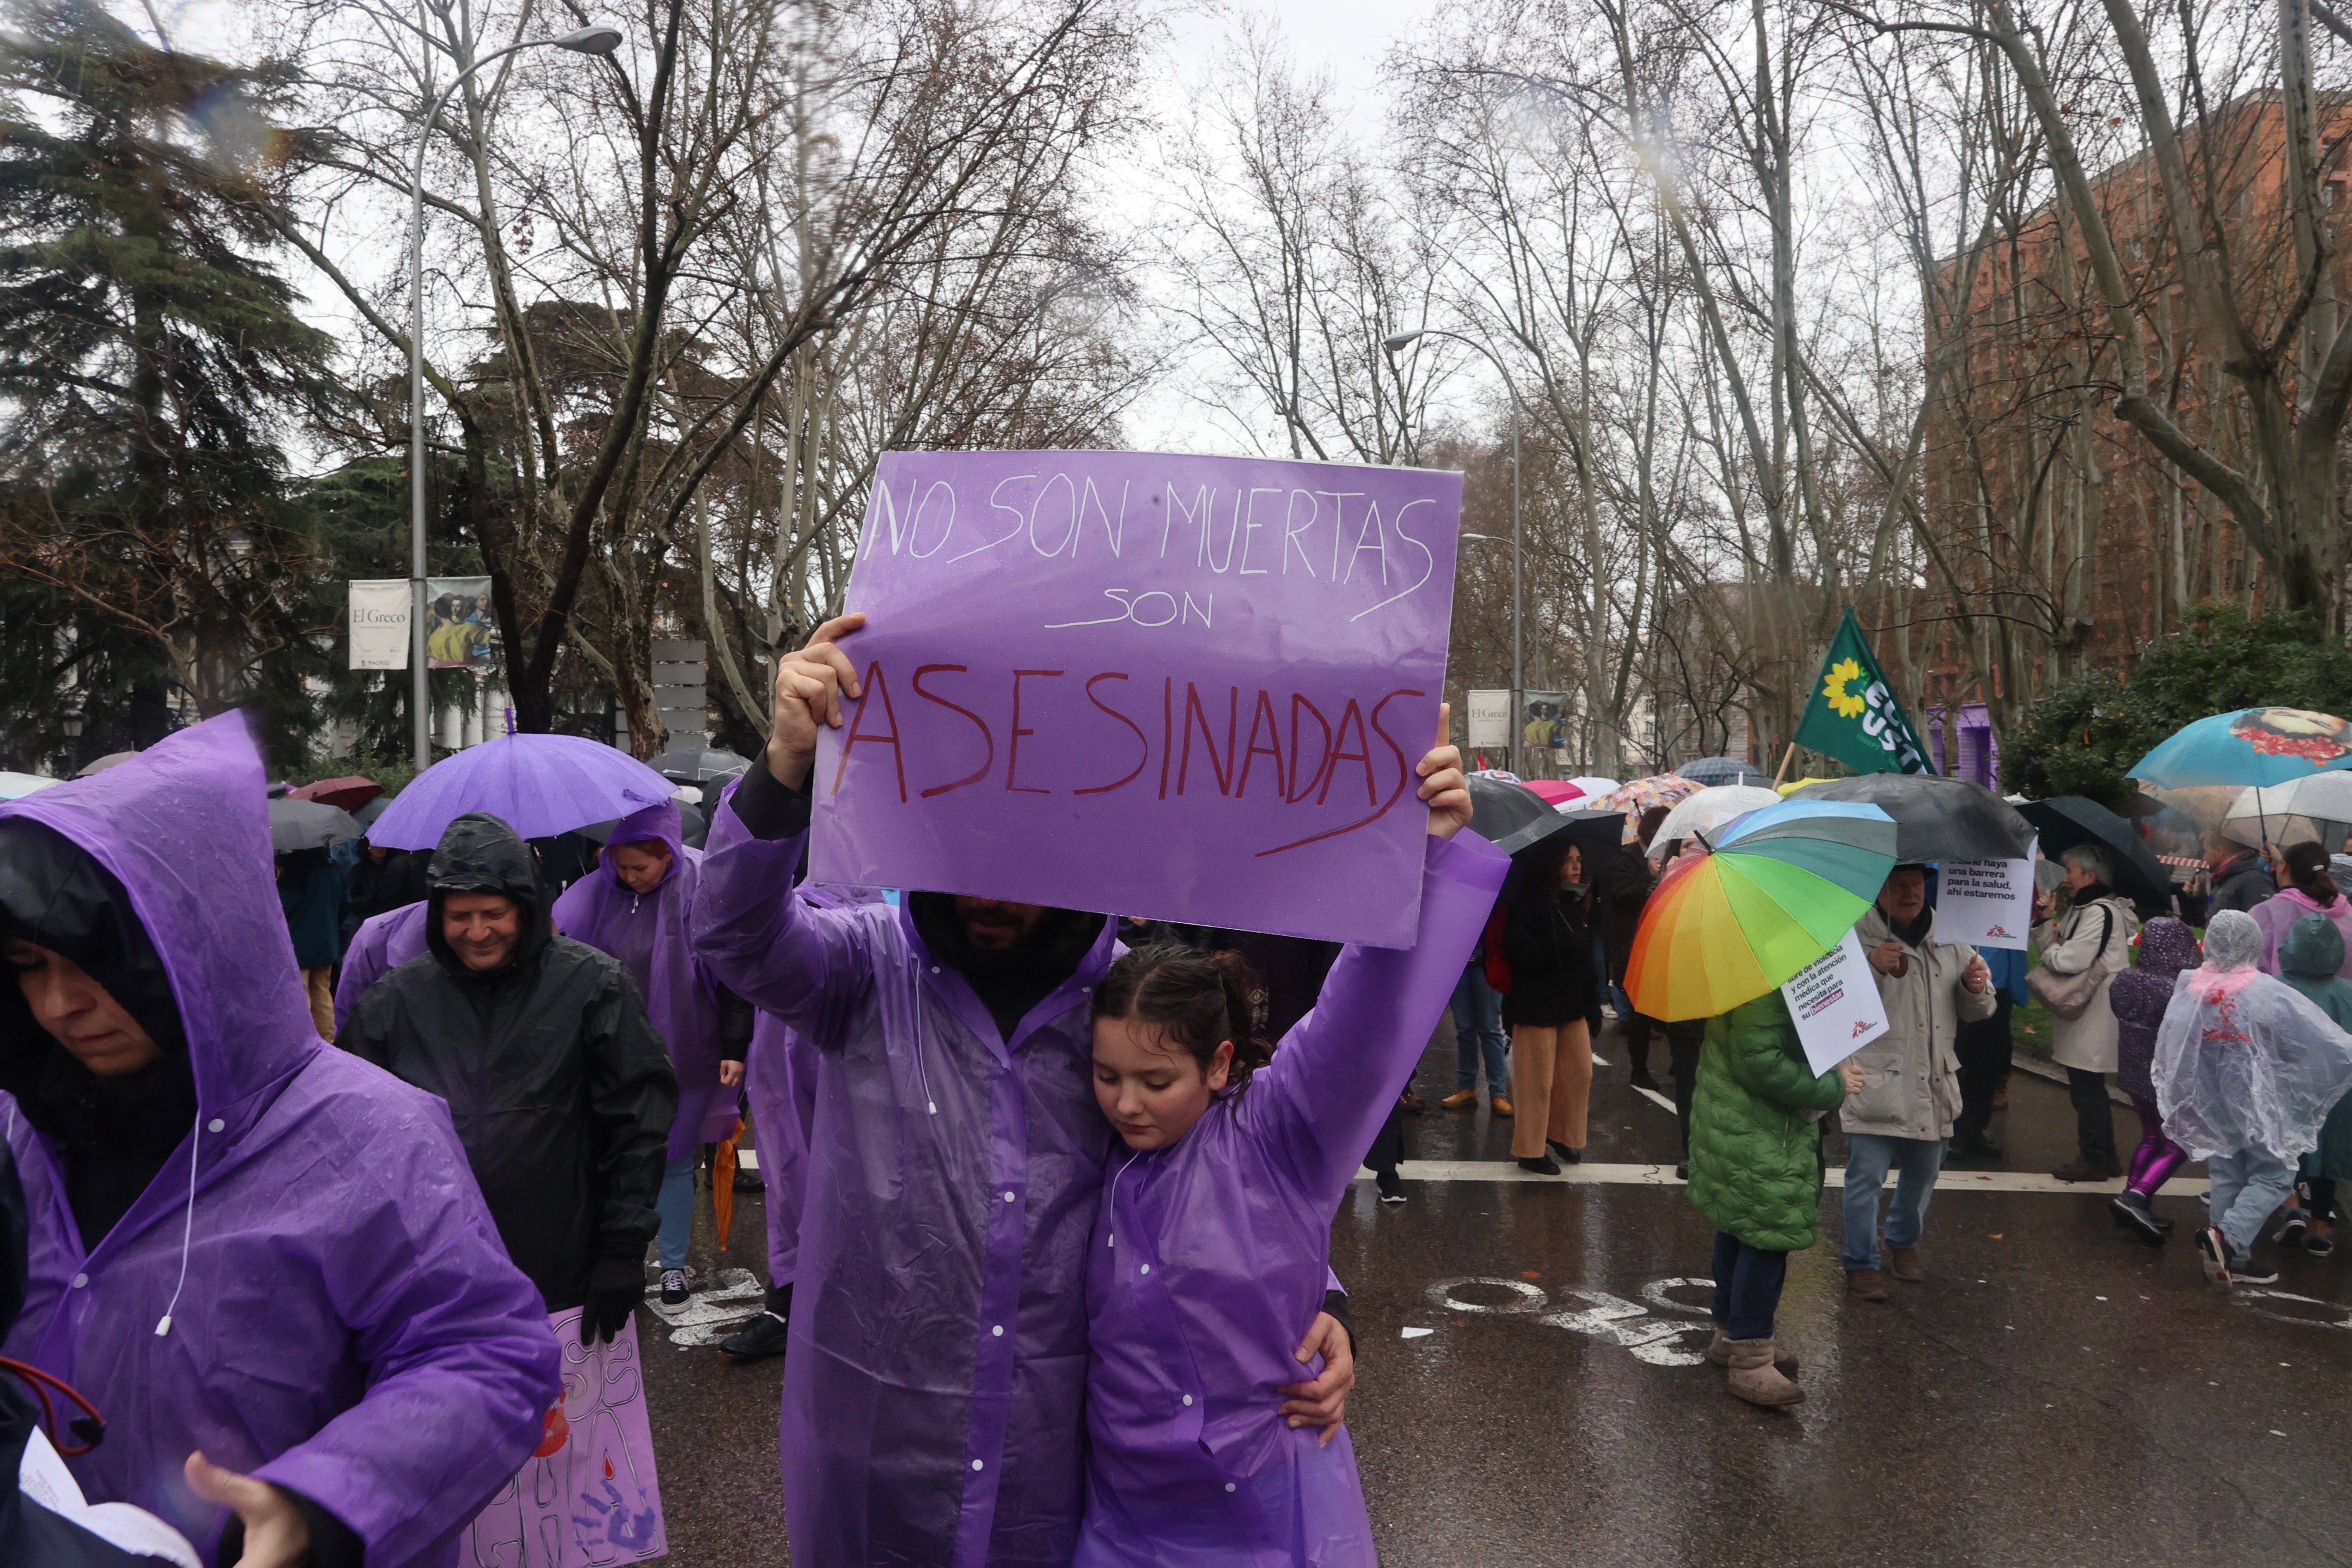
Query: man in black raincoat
(559,1085)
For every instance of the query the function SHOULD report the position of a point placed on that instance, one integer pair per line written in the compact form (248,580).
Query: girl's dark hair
(1198,1000)
(2306,868)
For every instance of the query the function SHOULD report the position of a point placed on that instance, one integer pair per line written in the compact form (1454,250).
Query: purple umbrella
(539,785)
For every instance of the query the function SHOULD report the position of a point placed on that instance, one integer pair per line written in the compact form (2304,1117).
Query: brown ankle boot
(1754,1378)
(1864,1284)
(1902,1262)
(1718,1351)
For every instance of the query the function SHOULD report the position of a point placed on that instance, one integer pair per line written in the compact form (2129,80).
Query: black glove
(615,1289)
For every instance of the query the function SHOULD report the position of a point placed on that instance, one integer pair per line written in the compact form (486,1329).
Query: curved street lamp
(592,40)
(1390,345)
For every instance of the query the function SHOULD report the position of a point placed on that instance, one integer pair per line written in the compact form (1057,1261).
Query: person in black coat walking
(559,1085)
(1547,937)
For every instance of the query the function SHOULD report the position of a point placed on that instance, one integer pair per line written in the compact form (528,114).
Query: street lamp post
(1389,346)
(593,40)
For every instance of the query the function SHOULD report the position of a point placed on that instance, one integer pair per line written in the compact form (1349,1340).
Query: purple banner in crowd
(1191,688)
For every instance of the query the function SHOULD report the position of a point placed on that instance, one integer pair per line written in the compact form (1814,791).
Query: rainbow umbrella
(1781,886)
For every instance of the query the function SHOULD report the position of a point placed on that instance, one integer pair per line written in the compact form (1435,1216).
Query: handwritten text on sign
(1190,687)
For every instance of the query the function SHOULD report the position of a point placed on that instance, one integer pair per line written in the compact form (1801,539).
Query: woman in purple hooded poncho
(298,1279)
(705,1029)
(1214,1237)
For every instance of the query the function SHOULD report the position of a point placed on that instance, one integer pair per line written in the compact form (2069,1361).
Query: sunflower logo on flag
(1848,704)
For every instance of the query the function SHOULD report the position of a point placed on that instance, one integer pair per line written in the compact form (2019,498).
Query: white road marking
(1592,1173)
(711,1315)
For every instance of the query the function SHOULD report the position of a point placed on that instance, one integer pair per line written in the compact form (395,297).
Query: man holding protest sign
(933,1396)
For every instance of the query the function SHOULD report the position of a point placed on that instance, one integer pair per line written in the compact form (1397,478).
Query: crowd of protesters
(1050,1189)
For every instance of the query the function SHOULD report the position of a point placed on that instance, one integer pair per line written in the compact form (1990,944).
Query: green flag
(1855,716)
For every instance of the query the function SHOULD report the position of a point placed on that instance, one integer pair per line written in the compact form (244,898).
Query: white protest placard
(379,623)
(1488,714)
(1986,904)
(1835,1000)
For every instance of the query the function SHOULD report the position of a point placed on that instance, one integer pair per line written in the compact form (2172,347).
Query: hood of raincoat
(2243,1060)
(655,825)
(191,916)
(2313,949)
(2166,946)
(480,854)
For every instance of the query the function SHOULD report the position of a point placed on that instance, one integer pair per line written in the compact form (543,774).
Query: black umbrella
(2071,819)
(307,824)
(1500,808)
(1712,771)
(1935,818)
(695,766)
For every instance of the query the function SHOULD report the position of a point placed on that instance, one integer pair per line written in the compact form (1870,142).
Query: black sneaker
(1542,1165)
(1392,1186)
(762,1336)
(1682,1172)
(2244,1270)
(2293,1228)
(673,1287)
(2319,1243)
(1976,1146)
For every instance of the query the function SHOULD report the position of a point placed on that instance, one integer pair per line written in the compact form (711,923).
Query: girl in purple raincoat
(1213,1236)
(245,1243)
(634,906)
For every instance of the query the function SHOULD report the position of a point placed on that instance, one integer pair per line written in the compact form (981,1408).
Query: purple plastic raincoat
(1210,1253)
(647,932)
(780,1079)
(937,1350)
(382,945)
(349,1327)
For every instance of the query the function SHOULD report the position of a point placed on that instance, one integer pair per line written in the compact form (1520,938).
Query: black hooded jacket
(557,1083)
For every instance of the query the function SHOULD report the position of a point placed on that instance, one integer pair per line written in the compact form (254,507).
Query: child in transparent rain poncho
(2246,1070)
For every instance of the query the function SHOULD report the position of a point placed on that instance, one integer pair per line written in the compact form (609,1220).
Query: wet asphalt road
(2055,1393)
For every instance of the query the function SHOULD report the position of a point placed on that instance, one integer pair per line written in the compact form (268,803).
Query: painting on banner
(1835,1002)
(1190,688)
(460,631)
(587,1497)
(1985,903)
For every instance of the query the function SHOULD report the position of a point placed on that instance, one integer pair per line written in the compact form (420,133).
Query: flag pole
(1786,758)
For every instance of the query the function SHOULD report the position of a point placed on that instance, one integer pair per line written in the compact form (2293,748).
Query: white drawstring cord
(187,1228)
(921,1074)
(1110,1236)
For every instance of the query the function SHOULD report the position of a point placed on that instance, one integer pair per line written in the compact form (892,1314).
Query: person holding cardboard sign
(934,1389)
(1216,1233)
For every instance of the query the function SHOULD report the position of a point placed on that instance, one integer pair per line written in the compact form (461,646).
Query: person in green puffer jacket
(1755,1174)
(2310,958)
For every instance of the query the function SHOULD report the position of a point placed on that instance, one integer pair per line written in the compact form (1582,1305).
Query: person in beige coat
(2099,926)
(1910,1075)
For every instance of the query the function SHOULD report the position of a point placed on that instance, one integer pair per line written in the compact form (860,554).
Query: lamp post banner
(1192,689)
(379,623)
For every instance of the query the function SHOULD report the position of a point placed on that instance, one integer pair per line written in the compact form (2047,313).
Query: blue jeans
(2247,1185)
(1868,1157)
(1478,1031)
(1747,1283)
(675,1206)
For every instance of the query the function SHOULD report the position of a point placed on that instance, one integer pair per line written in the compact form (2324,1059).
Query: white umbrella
(2307,807)
(1712,808)
(17,786)
(1595,787)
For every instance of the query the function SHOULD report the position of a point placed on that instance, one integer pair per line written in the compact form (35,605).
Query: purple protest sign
(1192,689)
